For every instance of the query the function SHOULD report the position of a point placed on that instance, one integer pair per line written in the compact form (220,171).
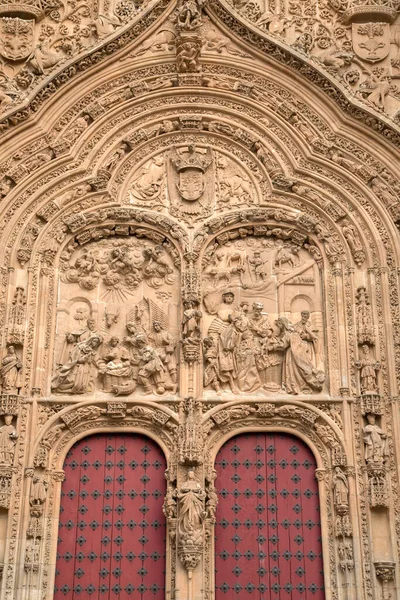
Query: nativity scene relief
(117,328)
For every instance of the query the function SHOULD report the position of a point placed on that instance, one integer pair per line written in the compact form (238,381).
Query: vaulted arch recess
(268,531)
(112,529)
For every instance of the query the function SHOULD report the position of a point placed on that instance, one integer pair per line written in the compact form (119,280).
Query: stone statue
(191,320)
(308,336)
(165,345)
(376,451)
(340,491)
(191,498)
(190,14)
(368,368)
(8,438)
(38,493)
(10,372)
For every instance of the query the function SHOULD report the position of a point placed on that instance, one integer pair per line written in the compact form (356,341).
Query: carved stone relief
(115,332)
(258,295)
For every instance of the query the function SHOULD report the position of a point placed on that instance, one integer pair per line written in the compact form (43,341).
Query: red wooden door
(268,534)
(112,529)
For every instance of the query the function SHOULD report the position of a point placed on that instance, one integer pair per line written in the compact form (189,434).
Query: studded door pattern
(112,529)
(268,535)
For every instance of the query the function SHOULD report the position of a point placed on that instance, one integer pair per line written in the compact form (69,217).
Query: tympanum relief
(190,182)
(263,325)
(117,326)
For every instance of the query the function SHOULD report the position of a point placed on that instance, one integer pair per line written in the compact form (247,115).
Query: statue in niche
(191,499)
(114,365)
(190,14)
(38,493)
(368,368)
(77,376)
(8,439)
(165,345)
(375,440)
(10,372)
(340,491)
(191,320)
(365,326)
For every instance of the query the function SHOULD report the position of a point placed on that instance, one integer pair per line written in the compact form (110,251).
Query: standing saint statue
(376,451)
(340,491)
(8,438)
(10,372)
(191,497)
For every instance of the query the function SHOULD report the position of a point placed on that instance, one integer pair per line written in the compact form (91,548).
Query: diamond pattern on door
(111,543)
(268,533)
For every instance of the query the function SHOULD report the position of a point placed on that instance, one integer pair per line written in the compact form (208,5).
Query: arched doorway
(111,542)
(268,533)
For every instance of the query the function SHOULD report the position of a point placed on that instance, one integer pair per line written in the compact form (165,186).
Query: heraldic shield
(191,181)
(371,41)
(16,38)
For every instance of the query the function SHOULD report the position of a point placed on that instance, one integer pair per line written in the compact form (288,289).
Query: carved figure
(191,497)
(78,374)
(307,335)
(8,439)
(114,365)
(376,451)
(369,368)
(151,371)
(44,57)
(299,373)
(118,155)
(165,345)
(10,372)
(187,58)
(211,370)
(340,491)
(170,507)
(148,186)
(38,493)
(191,320)
(190,14)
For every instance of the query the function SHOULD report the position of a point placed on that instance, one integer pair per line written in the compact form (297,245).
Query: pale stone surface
(199,210)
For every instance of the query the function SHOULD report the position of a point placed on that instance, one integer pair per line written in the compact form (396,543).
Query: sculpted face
(8,419)
(91,323)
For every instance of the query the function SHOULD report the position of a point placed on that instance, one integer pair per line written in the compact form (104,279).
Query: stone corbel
(385,572)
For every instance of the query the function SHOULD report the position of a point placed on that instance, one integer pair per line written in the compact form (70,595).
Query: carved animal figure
(235,259)
(286,256)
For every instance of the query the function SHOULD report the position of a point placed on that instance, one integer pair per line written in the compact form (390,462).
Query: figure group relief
(117,327)
(263,323)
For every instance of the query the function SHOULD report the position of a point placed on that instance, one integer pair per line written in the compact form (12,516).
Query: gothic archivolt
(193,247)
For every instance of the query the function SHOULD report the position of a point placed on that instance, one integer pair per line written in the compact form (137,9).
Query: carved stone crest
(16,37)
(371,41)
(191,181)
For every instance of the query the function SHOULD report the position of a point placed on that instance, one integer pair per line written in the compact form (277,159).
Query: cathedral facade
(199,299)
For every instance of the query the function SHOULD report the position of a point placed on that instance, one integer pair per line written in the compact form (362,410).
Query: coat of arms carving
(16,37)
(371,41)
(191,183)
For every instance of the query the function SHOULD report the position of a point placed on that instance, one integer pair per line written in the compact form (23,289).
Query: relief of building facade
(199,237)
